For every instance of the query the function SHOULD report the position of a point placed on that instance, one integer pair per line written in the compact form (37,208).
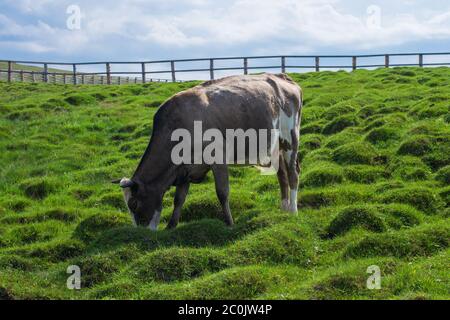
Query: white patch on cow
(283,124)
(126,197)
(293,201)
(286,125)
(155,221)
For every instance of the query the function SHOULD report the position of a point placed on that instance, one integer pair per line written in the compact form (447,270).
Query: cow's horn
(126,183)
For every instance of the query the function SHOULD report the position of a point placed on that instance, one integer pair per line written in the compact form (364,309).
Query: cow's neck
(156,167)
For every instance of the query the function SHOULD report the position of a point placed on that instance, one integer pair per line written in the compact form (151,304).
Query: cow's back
(247,101)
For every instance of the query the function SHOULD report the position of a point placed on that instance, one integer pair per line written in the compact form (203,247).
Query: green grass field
(375,154)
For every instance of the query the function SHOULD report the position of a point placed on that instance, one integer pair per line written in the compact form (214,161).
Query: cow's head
(144,203)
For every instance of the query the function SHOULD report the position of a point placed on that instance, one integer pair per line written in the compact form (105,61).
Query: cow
(262,101)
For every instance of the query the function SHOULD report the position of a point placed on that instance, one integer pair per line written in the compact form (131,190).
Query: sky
(100,30)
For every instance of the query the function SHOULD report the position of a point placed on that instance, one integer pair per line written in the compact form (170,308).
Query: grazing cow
(264,101)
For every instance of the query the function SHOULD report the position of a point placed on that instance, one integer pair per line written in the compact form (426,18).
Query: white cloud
(304,23)
(30,6)
(30,46)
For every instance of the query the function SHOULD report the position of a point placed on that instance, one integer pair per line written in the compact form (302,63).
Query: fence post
(108,73)
(118,80)
(9,71)
(172,68)
(211,69)
(82,79)
(386,61)
(317,64)
(421,60)
(245,66)
(45,72)
(33,79)
(283,64)
(64,79)
(354,63)
(74,70)
(143,72)
(21,76)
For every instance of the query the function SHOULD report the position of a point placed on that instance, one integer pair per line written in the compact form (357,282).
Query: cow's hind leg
(293,170)
(284,184)
(180,196)
(220,173)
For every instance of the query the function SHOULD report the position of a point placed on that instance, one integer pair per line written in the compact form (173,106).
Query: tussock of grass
(17,262)
(236,283)
(443,175)
(79,99)
(416,146)
(341,138)
(311,141)
(206,232)
(421,241)
(382,135)
(90,227)
(17,204)
(339,124)
(39,188)
(315,127)
(323,175)
(177,264)
(99,268)
(334,196)
(362,216)
(355,153)
(338,110)
(60,214)
(376,218)
(208,206)
(365,174)
(408,168)
(52,251)
(424,199)
(26,115)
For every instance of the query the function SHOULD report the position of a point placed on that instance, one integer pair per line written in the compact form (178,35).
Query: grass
(374,190)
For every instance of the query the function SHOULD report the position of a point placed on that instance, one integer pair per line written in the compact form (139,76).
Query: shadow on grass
(206,232)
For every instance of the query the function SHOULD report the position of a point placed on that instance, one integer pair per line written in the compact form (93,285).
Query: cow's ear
(127,183)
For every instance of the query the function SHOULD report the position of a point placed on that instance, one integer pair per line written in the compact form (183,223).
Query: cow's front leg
(180,196)
(220,173)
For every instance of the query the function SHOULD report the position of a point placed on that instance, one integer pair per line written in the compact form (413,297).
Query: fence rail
(20,70)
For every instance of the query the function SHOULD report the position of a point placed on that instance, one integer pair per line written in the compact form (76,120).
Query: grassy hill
(18,66)
(375,150)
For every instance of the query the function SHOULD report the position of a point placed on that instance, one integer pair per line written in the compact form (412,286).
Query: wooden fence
(18,71)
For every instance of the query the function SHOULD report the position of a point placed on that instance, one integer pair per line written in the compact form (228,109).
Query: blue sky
(149,30)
